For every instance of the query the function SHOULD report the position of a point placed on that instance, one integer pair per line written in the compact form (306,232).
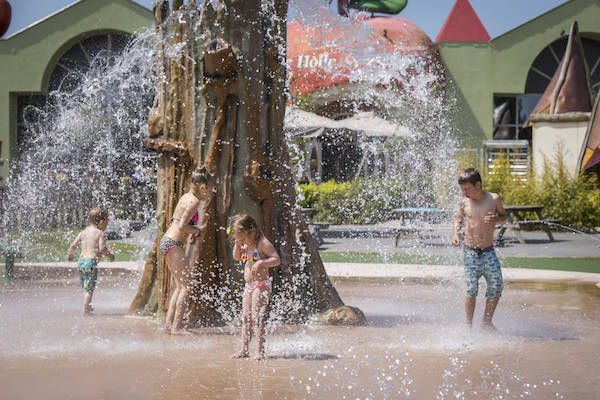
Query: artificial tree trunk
(220,103)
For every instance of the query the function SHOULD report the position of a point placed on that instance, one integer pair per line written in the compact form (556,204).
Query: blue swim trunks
(484,262)
(88,273)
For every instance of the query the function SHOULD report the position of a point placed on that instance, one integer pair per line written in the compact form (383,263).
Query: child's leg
(472,275)
(246,324)
(178,266)
(171,310)
(488,314)
(493,276)
(180,309)
(260,303)
(470,309)
(87,299)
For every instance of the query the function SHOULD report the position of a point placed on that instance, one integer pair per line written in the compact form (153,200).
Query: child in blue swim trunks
(93,246)
(482,211)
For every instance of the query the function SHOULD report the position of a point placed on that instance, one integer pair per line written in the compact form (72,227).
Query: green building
(50,54)
(512,69)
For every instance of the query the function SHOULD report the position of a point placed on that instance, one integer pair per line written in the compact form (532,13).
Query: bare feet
(90,308)
(181,332)
(489,327)
(167,330)
(258,357)
(241,354)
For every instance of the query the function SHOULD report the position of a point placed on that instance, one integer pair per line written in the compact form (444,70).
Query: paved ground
(380,238)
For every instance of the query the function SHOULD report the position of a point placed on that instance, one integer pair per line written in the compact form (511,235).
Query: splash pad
(413,345)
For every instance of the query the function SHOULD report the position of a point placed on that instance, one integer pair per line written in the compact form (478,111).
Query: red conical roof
(462,25)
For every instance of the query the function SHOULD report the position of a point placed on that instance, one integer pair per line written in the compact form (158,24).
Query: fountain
(412,344)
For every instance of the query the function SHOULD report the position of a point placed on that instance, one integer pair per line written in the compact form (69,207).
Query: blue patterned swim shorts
(478,263)
(88,273)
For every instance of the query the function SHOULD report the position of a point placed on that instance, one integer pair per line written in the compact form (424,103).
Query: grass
(51,245)
(562,264)
(393,258)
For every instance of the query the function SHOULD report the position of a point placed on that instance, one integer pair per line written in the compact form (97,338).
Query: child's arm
(103,249)
(237,251)
(265,247)
(501,214)
(460,216)
(73,246)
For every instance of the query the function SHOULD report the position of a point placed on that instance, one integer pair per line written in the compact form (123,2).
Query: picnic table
(516,221)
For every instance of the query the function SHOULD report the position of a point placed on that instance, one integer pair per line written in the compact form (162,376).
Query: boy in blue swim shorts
(482,211)
(93,246)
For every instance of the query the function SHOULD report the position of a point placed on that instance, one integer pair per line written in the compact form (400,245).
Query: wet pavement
(414,345)
(381,239)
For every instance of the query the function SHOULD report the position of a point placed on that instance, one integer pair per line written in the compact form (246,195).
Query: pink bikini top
(193,221)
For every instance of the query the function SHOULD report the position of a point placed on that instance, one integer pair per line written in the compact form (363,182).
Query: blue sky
(497,16)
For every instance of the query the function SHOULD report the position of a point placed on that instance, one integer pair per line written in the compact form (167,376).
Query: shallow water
(413,346)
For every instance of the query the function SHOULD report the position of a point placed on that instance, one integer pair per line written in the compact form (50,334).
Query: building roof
(462,25)
(590,154)
(569,90)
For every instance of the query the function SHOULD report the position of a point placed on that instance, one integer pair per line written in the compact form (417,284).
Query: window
(511,112)
(545,64)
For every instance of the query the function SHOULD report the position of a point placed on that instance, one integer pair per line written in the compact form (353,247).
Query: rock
(344,315)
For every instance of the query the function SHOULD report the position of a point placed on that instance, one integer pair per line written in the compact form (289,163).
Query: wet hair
(243,223)
(96,215)
(469,175)
(202,176)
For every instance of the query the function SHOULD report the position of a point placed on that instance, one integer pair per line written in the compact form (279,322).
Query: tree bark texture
(220,103)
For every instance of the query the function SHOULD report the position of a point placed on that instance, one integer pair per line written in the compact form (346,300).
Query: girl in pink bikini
(257,255)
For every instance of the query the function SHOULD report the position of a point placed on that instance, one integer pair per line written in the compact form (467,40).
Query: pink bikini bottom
(258,284)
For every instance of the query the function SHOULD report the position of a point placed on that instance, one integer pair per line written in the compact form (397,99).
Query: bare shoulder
(497,200)
(191,199)
(495,196)
(96,233)
(265,243)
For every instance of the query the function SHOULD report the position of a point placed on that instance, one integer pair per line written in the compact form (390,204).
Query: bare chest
(476,211)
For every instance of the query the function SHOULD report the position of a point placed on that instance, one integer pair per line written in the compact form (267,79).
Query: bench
(516,224)
(10,252)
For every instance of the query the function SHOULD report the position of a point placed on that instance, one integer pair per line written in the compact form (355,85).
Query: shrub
(572,198)
(363,201)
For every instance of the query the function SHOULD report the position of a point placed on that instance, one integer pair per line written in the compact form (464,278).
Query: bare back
(92,243)
(478,231)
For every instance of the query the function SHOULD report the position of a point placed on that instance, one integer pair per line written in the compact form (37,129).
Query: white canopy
(312,125)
